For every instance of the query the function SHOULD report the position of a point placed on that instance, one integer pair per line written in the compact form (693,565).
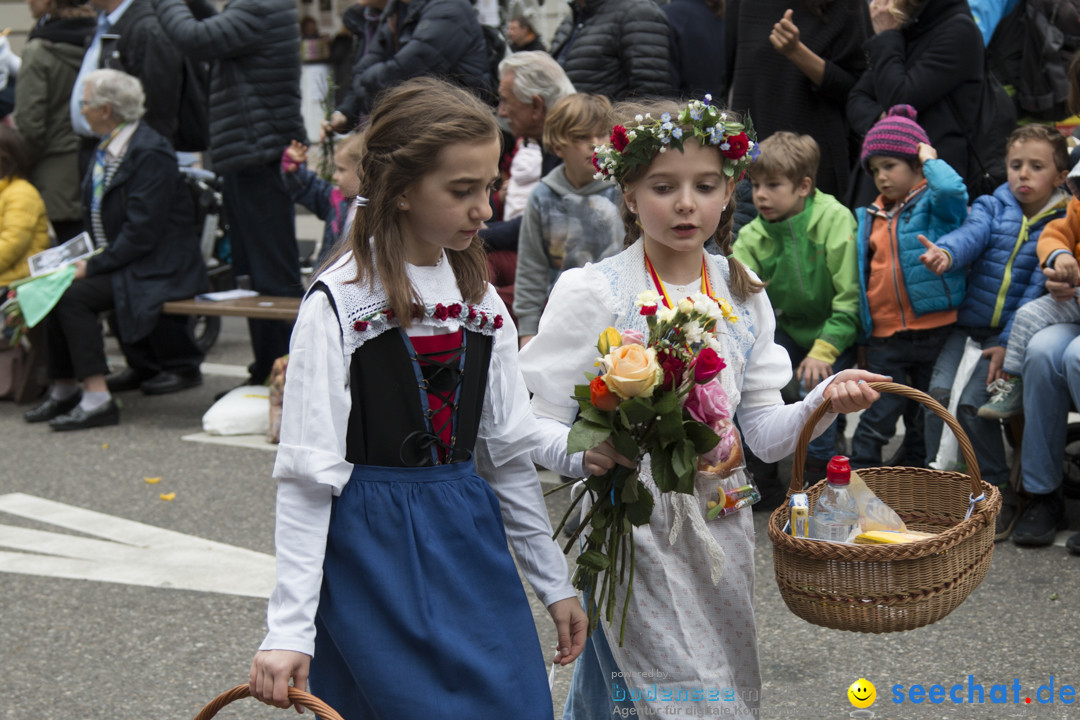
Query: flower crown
(631,147)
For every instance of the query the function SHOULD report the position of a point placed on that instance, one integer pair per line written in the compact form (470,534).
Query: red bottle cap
(838,471)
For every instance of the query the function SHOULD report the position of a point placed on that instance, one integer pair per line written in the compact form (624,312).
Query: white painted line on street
(252,442)
(117,362)
(131,553)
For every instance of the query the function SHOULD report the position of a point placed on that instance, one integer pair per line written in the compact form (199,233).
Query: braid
(741,284)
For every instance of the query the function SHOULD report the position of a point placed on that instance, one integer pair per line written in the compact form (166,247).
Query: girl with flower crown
(404,462)
(689,646)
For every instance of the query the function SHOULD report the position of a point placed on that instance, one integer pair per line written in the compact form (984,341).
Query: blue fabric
(308,189)
(988,13)
(938,209)
(1051,382)
(908,356)
(985,245)
(985,435)
(422,613)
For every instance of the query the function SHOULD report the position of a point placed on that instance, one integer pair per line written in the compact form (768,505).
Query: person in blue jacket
(996,244)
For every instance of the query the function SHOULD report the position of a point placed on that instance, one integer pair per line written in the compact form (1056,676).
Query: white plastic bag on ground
(947,457)
(242,411)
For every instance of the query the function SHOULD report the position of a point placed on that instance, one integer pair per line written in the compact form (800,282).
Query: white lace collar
(364,312)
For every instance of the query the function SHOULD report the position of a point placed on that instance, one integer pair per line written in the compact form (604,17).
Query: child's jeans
(1033,317)
(908,356)
(823,447)
(985,435)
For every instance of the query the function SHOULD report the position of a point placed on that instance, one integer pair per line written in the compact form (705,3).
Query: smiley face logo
(862,693)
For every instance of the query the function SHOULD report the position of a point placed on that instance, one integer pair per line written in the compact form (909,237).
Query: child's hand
(270,674)
(935,259)
(603,457)
(785,35)
(572,625)
(850,391)
(297,155)
(926,152)
(997,361)
(1067,269)
(811,371)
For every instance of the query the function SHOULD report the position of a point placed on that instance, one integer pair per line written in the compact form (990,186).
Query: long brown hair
(410,125)
(741,283)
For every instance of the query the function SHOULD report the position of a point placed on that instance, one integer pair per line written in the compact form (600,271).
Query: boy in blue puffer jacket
(997,246)
(906,311)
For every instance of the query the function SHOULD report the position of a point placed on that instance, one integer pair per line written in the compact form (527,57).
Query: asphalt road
(122,649)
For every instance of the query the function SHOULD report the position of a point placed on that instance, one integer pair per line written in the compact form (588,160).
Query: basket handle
(299,697)
(911,393)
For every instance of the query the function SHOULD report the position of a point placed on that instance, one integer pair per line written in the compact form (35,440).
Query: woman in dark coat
(927,54)
(142,221)
(793,71)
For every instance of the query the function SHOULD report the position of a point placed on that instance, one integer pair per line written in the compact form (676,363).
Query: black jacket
(433,37)
(936,57)
(254,46)
(697,50)
(618,48)
(145,51)
(153,251)
(779,95)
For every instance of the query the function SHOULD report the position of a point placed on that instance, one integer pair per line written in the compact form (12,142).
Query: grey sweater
(562,228)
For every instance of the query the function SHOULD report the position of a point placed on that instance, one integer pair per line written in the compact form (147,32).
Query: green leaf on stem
(669,427)
(639,512)
(684,463)
(585,435)
(625,444)
(636,411)
(596,415)
(594,560)
(701,435)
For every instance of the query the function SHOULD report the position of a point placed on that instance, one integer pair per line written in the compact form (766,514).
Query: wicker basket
(887,588)
(299,697)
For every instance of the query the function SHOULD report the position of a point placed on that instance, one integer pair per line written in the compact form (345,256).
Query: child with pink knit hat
(905,310)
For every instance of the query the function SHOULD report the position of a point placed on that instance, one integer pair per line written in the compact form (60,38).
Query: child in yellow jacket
(24,227)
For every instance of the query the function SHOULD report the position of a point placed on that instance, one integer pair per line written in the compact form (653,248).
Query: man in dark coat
(697,48)
(933,62)
(129,38)
(254,48)
(617,48)
(418,37)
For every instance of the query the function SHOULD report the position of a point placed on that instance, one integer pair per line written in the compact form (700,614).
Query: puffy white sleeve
(768,369)
(771,431)
(317,402)
(503,455)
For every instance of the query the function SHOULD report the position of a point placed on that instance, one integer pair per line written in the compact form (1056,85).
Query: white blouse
(311,466)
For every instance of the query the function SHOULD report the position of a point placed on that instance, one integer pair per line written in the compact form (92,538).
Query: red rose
(648,309)
(360,325)
(737,146)
(441,312)
(472,313)
(417,312)
(498,322)
(596,163)
(600,395)
(619,141)
(389,313)
(673,367)
(708,365)
(454,310)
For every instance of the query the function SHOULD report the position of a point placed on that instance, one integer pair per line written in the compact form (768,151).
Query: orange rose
(632,371)
(601,396)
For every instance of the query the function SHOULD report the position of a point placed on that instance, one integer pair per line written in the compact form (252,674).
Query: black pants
(262,229)
(169,347)
(76,347)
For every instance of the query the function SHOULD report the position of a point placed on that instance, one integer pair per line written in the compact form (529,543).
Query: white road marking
(129,552)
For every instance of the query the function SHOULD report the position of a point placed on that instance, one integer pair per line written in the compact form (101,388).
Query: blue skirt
(422,613)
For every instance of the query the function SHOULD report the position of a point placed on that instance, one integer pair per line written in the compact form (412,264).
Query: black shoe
(169,382)
(1073,544)
(1011,508)
(52,408)
(1041,521)
(79,419)
(125,380)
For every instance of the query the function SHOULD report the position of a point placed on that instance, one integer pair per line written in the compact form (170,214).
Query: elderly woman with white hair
(141,218)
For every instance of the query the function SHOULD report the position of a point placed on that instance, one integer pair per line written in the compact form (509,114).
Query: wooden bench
(261,307)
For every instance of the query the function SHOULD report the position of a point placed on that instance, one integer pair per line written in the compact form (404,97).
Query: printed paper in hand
(77,248)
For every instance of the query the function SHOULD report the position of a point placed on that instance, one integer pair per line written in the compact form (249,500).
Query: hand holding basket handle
(850,390)
(271,671)
(299,698)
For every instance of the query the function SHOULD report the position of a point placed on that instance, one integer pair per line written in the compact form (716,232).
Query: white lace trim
(362,306)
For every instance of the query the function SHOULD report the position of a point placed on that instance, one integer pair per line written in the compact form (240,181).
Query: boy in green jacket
(803,245)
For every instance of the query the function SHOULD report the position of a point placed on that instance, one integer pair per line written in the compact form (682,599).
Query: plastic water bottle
(836,514)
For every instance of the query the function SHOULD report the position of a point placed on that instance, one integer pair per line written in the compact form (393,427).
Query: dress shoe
(125,380)
(52,408)
(79,419)
(169,382)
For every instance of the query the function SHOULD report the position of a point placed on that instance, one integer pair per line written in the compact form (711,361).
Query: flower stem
(629,590)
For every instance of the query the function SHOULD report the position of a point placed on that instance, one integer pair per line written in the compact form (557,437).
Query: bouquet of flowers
(659,396)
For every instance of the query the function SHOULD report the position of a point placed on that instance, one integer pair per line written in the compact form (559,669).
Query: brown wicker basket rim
(298,697)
